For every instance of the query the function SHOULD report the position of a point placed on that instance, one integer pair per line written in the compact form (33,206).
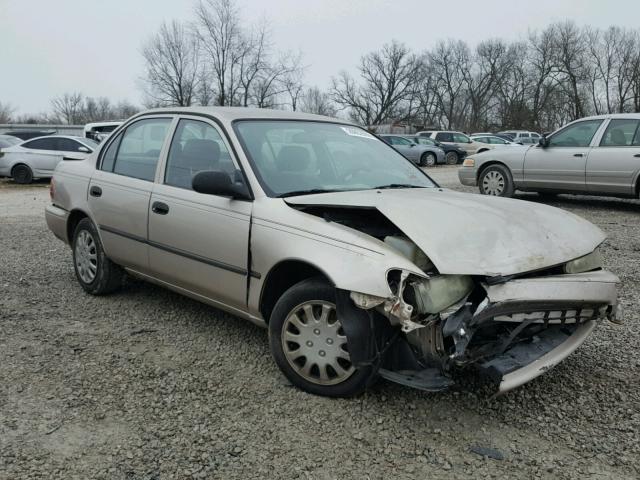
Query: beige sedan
(326,235)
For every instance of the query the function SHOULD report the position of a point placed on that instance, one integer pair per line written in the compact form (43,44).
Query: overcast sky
(48,47)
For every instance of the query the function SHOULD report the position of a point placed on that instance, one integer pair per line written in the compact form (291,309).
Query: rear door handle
(95,191)
(578,154)
(160,208)
(637,155)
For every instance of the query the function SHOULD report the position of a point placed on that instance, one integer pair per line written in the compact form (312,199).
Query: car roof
(70,137)
(621,116)
(230,114)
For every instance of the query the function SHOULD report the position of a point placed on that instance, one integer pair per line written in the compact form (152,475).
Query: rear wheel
(22,174)
(95,272)
(451,158)
(309,345)
(428,159)
(496,180)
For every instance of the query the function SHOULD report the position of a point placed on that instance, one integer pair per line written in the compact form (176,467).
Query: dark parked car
(452,154)
(29,134)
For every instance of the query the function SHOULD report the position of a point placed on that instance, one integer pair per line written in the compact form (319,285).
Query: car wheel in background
(428,159)
(96,273)
(22,174)
(309,345)
(496,180)
(451,158)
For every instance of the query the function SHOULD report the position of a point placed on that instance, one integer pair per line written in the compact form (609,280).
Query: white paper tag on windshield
(357,132)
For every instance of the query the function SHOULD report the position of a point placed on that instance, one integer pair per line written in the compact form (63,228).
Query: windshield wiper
(310,191)
(397,185)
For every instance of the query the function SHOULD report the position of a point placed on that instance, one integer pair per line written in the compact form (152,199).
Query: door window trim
(595,139)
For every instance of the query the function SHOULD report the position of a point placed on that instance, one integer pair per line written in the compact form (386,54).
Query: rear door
(199,242)
(562,164)
(613,165)
(42,155)
(120,190)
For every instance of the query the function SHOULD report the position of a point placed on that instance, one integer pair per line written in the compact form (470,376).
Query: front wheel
(451,158)
(428,159)
(497,181)
(95,272)
(309,345)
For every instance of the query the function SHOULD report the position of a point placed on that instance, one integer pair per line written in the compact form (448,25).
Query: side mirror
(543,142)
(216,182)
(412,145)
(84,150)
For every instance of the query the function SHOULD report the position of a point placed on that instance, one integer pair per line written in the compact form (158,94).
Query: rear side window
(109,157)
(68,145)
(196,147)
(444,137)
(621,133)
(42,144)
(461,138)
(140,147)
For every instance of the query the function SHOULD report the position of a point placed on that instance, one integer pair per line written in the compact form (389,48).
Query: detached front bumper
(467,176)
(56,218)
(560,312)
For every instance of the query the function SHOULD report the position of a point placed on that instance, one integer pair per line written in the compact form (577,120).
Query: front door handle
(95,191)
(160,208)
(578,154)
(637,155)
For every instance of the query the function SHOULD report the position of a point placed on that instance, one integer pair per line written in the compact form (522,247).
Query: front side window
(444,137)
(401,141)
(296,157)
(196,146)
(42,144)
(576,135)
(68,145)
(461,138)
(140,147)
(481,140)
(425,141)
(621,133)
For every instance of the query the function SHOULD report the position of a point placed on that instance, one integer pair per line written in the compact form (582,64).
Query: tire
(428,159)
(22,174)
(451,158)
(95,272)
(496,180)
(291,351)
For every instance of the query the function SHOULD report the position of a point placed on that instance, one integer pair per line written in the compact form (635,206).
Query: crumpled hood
(474,234)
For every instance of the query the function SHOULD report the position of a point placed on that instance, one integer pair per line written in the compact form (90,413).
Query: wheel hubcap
(315,345)
(431,160)
(86,256)
(493,183)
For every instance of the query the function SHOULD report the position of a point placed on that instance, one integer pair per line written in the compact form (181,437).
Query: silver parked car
(318,230)
(594,155)
(38,157)
(423,155)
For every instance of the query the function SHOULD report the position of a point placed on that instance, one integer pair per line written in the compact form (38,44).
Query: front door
(613,165)
(561,165)
(199,242)
(120,190)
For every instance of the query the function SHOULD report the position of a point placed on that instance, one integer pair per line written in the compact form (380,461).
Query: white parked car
(9,141)
(98,131)
(38,157)
(492,141)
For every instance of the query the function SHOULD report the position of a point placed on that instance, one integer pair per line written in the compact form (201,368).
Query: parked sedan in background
(493,141)
(423,155)
(522,136)
(9,141)
(38,157)
(452,153)
(593,155)
(457,139)
(341,247)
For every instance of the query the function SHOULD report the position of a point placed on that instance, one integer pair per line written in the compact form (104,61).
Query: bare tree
(314,100)
(447,63)
(387,78)
(292,80)
(69,108)
(171,65)
(6,112)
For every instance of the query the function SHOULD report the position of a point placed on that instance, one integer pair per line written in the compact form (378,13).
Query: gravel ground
(145,384)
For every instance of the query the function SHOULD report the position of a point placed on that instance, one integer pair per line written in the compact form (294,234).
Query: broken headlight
(592,261)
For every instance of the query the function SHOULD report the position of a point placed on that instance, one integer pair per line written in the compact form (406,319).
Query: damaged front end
(510,329)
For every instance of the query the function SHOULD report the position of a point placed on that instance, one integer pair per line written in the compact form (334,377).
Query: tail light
(52,189)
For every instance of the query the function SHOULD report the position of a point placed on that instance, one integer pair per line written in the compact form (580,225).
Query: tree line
(540,82)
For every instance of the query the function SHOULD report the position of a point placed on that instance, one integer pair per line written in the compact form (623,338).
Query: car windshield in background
(298,157)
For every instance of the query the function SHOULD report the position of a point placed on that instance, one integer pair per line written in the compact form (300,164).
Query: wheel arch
(491,163)
(283,276)
(75,216)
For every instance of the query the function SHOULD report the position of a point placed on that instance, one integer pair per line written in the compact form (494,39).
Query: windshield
(298,157)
